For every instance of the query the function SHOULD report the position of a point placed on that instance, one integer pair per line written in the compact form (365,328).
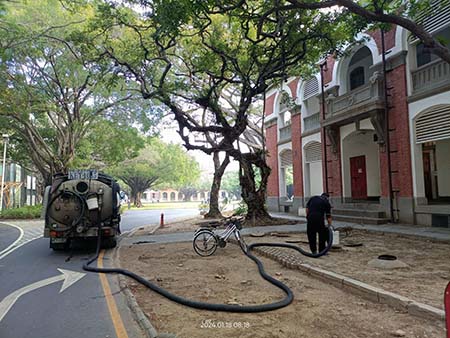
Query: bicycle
(206,241)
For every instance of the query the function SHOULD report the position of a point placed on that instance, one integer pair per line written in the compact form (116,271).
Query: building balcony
(362,102)
(285,134)
(311,122)
(430,79)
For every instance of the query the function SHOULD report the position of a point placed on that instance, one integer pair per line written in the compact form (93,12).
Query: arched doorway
(286,174)
(432,140)
(361,166)
(313,168)
(172,196)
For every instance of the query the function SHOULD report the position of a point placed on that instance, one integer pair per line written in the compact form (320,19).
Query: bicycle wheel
(241,241)
(205,243)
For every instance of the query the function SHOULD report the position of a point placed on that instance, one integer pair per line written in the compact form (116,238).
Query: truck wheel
(109,243)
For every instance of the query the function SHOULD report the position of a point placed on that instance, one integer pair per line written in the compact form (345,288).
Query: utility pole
(5,145)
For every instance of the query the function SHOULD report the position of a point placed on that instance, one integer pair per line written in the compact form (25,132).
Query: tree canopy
(61,102)
(157,165)
(187,55)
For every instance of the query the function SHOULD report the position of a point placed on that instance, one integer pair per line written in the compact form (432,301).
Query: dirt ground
(424,279)
(319,310)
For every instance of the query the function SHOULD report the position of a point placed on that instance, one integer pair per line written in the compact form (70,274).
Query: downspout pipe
(387,129)
(323,66)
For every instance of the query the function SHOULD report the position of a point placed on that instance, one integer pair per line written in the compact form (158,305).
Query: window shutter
(433,125)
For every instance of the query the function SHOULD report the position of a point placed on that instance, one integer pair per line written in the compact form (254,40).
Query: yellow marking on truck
(113,311)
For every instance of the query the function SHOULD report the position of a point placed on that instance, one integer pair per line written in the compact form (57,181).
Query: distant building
(19,188)
(172,195)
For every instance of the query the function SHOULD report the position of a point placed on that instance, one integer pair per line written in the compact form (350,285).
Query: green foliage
(26,212)
(62,101)
(230,183)
(157,165)
(241,210)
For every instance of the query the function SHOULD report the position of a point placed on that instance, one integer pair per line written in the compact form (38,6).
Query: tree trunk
(219,169)
(137,201)
(253,195)
(136,198)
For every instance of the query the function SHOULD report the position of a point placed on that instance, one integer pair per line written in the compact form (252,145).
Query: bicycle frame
(224,235)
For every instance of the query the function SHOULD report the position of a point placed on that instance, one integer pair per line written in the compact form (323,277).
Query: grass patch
(26,212)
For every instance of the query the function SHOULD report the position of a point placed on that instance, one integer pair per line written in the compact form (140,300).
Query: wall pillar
(297,162)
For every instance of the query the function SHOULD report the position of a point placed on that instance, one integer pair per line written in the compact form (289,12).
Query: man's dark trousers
(316,225)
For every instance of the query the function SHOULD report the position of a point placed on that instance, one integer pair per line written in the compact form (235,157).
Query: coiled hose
(213,306)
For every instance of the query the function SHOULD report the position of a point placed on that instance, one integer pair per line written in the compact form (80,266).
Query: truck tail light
(54,233)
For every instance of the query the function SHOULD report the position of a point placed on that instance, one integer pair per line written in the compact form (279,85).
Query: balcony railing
(311,122)
(431,76)
(358,101)
(285,133)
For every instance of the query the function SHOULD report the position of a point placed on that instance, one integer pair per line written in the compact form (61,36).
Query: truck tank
(75,208)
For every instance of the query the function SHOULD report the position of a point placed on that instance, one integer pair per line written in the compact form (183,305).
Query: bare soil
(319,310)
(424,279)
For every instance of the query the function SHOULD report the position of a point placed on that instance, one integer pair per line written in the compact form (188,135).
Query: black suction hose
(212,306)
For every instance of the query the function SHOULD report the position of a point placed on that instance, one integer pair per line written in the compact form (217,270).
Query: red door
(427,175)
(358,177)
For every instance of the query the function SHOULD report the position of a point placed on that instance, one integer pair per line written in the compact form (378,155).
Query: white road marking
(15,242)
(26,236)
(67,276)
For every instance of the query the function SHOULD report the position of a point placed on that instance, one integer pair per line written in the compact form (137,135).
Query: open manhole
(387,257)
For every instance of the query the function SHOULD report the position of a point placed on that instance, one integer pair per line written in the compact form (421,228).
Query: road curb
(139,315)
(354,286)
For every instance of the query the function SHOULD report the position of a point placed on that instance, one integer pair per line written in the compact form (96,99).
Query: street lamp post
(5,145)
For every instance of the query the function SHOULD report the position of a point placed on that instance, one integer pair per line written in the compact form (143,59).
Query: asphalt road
(79,311)
(8,235)
(137,218)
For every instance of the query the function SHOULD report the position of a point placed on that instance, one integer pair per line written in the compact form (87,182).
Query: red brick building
(385,156)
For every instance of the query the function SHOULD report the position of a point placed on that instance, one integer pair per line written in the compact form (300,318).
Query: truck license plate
(59,240)
(83,174)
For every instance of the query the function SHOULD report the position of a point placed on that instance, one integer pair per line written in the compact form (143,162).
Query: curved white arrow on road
(69,277)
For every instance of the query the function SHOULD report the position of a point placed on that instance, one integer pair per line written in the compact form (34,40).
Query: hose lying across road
(219,307)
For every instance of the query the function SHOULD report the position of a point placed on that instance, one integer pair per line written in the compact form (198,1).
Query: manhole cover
(387,257)
(352,245)
(257,234)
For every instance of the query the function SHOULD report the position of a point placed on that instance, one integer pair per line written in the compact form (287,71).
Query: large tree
(158,164)
(62,103)
(188,54)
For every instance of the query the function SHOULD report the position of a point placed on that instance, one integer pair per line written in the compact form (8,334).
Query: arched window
(357,78)
(285,114)
(359,68)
